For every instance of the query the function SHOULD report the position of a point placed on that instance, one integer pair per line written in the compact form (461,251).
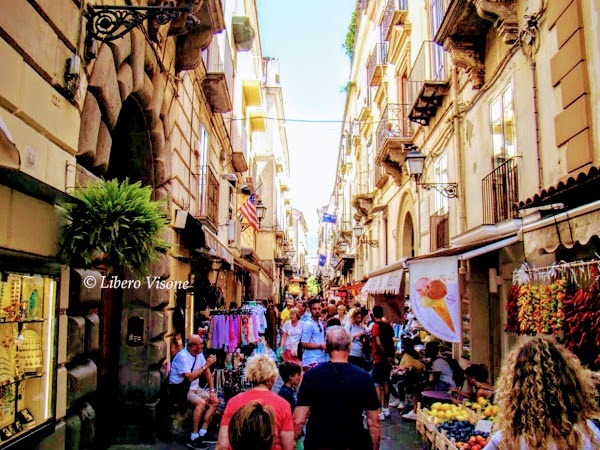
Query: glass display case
(27,354)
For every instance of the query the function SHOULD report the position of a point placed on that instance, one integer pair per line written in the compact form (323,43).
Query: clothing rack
(231,312)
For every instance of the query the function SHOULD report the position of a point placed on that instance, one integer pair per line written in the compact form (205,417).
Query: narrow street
(273,215)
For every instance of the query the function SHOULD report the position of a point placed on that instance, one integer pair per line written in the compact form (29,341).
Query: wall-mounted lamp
(344,246)
(358,233)
(415,162)
(292,252)
(260,211)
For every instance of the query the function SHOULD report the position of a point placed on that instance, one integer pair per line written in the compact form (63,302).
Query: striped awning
(387,283)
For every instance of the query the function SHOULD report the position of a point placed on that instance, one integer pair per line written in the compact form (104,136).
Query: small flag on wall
(248,210)
(329,218)
(322,260)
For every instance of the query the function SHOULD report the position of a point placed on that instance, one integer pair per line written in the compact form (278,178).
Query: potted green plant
(116,223)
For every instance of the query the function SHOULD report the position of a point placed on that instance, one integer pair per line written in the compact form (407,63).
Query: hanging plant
(117,220)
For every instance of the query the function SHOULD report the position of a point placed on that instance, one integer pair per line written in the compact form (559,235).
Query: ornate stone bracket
(503,14)
(363,203)
(393,169)
(468,57)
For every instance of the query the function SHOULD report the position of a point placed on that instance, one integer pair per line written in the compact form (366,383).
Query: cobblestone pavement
(396,434)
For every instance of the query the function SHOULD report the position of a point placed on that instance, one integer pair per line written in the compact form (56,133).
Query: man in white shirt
(187,366)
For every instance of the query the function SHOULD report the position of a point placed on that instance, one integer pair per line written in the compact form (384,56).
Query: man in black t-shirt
(335,394)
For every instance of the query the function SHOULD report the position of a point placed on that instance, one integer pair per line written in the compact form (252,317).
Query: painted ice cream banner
(434,296)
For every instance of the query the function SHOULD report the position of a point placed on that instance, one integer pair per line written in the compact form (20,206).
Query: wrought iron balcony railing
(394,127)
(394,10)
(377,60)
(500,193)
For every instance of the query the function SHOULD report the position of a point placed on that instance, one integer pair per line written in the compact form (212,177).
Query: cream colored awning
(578,225)
(388,283)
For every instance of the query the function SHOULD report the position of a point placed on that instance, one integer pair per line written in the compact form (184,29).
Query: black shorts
(381,372)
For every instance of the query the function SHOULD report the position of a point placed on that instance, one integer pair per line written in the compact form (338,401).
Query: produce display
(457,423)
(536,308)
(582,324)
(440,412)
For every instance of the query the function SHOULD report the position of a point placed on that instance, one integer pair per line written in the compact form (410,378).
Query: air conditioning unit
(233,232)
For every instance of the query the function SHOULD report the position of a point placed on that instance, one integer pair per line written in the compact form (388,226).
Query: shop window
(27,353)
(502,123)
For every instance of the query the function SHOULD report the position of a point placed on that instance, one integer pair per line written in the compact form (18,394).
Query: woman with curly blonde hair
(546,400)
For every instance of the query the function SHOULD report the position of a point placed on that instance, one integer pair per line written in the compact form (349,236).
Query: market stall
(560,300)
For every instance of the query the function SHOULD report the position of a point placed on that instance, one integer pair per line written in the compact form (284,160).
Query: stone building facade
(498,98)
(173,106)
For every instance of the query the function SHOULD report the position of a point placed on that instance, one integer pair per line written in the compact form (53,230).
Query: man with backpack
(383,351)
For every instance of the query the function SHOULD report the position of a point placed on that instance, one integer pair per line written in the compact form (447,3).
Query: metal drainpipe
(538,150)
(458,143)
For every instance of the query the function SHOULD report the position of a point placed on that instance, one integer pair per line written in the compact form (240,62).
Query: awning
(471,250)
(575,191)
(213,242)
(568,228)
(241,262)
(388,283)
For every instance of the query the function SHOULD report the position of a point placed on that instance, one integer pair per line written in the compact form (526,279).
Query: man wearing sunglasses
(313,338)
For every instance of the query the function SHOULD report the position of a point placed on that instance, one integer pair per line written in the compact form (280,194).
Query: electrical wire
(302,120)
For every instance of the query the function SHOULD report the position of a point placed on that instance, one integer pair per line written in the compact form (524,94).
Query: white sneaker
(385,412)
(395,403)
(410,416)
(401,405)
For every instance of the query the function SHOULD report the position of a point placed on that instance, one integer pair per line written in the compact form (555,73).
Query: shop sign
(434,296)
(135,331)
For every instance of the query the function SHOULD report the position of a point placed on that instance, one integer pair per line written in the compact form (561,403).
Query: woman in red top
(261,372)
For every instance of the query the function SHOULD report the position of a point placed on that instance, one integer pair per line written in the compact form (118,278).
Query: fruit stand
(455,427)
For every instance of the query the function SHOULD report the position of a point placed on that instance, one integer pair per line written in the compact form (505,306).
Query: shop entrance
(130,158)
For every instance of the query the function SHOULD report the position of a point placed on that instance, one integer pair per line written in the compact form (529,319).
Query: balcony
(258,119)
(439,230)
(395,14)
(218,82)
(250,70)
(208,207)
(239,143)
(243,33)
(463,28)
(501,193)
(427,83)
(376,64)
(393,132)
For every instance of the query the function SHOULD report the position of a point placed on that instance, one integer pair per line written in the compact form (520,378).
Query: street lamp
(260,210)
(358,230)
(415,164)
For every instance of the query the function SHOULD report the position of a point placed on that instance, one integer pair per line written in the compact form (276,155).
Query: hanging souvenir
(11,297)
(8,331)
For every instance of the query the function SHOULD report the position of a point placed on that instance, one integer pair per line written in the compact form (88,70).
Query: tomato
(476,447)
(481,440)
(473,440)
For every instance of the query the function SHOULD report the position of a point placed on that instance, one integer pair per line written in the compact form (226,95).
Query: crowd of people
(329,382)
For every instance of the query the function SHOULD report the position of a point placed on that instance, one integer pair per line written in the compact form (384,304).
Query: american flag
(248,210)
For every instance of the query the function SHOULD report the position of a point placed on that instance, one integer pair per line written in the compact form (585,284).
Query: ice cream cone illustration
(440,308)
(433,296)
